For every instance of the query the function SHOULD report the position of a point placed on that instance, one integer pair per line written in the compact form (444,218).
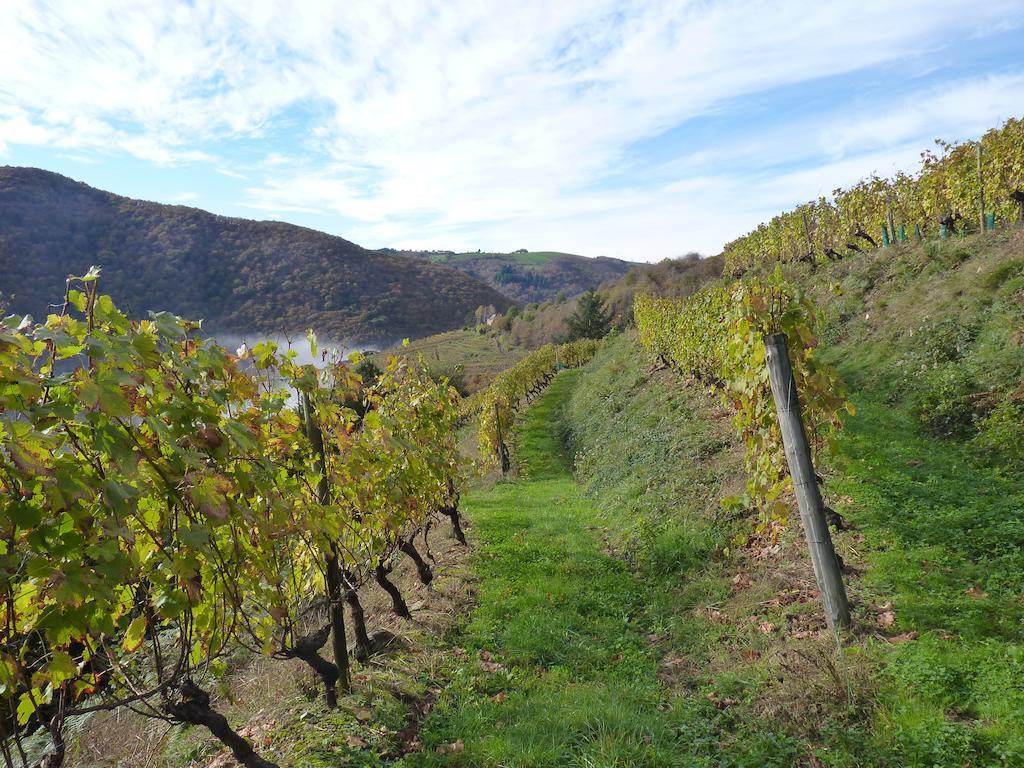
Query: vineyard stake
(981,191)
(502,450)
(892,220)
(805,484)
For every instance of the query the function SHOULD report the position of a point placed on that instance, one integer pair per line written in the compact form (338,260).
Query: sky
(640,130)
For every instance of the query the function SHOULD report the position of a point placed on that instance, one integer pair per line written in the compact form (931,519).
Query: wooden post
(807,234)
(331,559)
(801,467)
(502,450)
(892,220)
(981,192)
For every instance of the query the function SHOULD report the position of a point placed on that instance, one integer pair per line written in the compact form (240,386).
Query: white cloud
(419,121)
(230,174)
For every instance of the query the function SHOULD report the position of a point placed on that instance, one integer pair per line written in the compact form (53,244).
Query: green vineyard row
(952,190)
(162,503)
(518,385)
(716,336)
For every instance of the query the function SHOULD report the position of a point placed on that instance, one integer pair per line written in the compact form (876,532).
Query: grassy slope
(567,676)
(479,357)
(589,602)
(943,543)
(929,338)
(747,675)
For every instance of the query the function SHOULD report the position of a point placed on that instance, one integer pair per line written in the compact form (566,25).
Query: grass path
(554,667)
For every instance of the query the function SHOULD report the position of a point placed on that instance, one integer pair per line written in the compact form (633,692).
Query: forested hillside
(531,276)
(237,275)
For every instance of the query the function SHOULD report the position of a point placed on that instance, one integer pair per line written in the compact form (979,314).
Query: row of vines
(953,191)
(517,386)
(716,337)
(164,504)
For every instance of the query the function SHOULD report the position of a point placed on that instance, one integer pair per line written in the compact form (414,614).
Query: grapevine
(518,385)
(717,337)
(162,502)
(945,191)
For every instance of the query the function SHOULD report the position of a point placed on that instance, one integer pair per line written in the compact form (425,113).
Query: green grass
(478,356)
(559,615)
(576,574)
(944,539)
(579,628)
(531,258)
(536,258)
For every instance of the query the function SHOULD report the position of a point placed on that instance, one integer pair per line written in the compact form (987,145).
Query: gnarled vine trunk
(422,569)
(380,574)
(358,620)
(307,649)
(194,709)
(452,513)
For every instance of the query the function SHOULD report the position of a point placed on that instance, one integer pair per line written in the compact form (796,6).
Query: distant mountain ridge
(238,275)
(530,276)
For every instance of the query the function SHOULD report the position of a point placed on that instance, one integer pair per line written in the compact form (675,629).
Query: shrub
(943,400)
(1001,435)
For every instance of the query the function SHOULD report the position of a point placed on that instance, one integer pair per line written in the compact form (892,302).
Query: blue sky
(641,130)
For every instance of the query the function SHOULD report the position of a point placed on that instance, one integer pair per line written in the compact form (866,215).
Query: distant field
(536,257)
(480,356)
(529,259)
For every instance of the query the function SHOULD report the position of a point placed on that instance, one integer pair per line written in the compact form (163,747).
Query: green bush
(1000,436)
(942,400)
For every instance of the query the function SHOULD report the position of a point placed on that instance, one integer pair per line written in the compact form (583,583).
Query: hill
(531,276)
(474,357)
(238,275)
(470,359)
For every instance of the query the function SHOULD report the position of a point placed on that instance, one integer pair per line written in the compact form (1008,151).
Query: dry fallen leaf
(450,749)
(741,581)
(356,742)
(903,638)
(887,618)
(409,741)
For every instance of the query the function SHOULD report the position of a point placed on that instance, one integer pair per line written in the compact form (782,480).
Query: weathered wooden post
(502,449)
(891,218)
(801,468)
(331,561)
(981,192)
